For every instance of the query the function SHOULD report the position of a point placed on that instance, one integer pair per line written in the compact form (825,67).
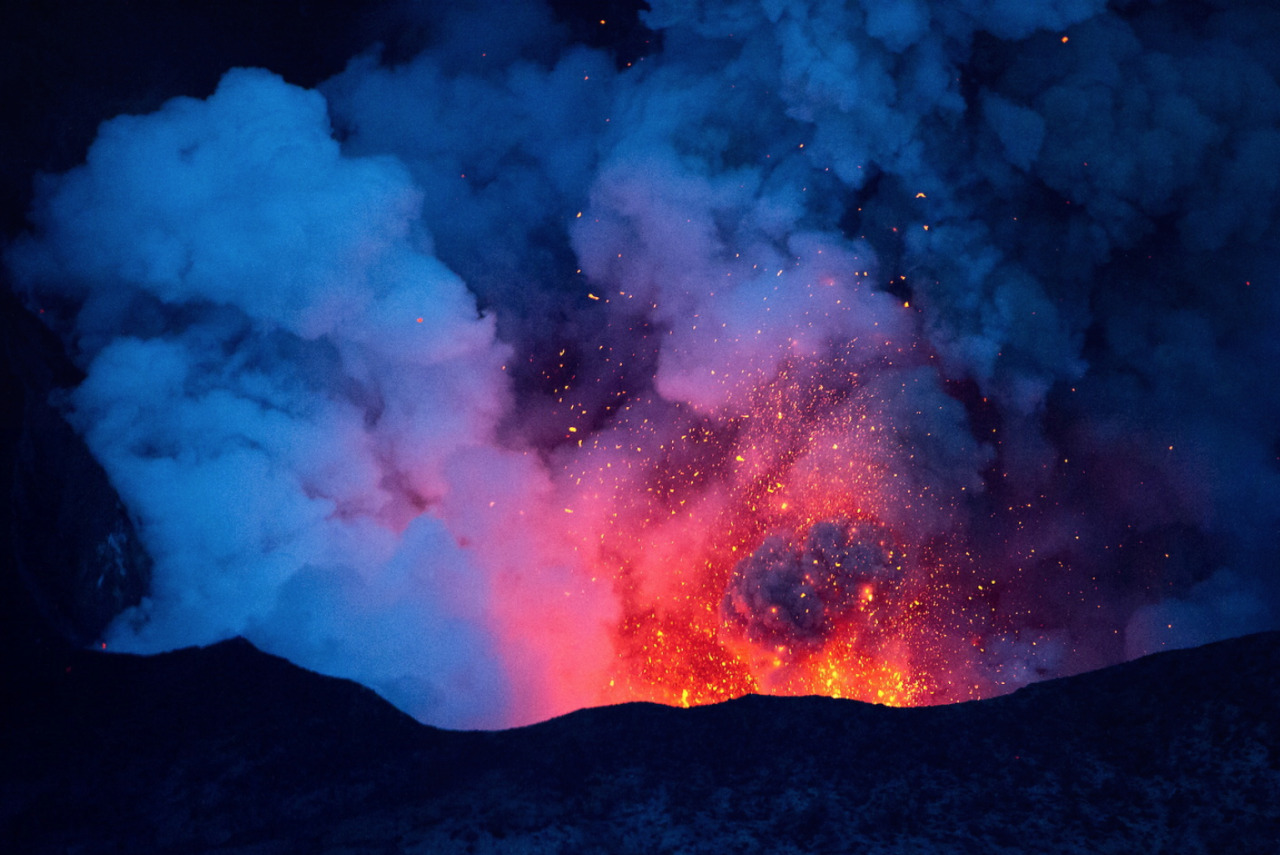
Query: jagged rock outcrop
(71,558)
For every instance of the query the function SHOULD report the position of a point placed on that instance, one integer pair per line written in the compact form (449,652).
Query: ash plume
(420,378)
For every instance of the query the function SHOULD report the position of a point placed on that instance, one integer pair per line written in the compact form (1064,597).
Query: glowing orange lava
(730,536)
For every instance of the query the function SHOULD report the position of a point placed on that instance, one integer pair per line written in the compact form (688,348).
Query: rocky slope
(227,749)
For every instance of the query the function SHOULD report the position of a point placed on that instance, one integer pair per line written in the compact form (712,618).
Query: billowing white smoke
(314,369)
(294,397)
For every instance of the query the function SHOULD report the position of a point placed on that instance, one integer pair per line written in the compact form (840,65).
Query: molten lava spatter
(781,544)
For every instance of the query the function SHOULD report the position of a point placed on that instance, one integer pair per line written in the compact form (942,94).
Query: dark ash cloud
(435,376)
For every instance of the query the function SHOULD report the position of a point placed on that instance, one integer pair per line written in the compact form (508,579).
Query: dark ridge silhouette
(229,749)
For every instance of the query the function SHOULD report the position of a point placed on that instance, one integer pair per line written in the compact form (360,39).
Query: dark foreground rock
(227,749)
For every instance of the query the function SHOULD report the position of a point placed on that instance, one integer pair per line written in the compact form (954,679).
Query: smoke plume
(909,351)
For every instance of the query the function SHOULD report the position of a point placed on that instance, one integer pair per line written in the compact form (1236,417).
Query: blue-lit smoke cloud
(318,370)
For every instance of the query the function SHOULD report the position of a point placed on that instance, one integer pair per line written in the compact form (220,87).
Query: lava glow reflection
(780,544)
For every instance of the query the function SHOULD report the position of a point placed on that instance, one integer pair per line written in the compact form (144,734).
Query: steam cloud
(348,389)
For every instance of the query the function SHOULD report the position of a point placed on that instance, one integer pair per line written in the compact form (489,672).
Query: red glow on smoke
(669,503)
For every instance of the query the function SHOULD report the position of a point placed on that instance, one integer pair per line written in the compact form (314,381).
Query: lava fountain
(784,541)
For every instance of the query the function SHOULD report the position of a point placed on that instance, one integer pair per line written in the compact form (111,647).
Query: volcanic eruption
(892,351)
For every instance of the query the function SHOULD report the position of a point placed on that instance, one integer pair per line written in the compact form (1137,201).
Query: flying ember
(780,544)
(825,353)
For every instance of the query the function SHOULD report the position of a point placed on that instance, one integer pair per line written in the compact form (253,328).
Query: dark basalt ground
(227,749)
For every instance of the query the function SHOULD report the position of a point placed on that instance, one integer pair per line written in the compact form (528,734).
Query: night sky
(899,350)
